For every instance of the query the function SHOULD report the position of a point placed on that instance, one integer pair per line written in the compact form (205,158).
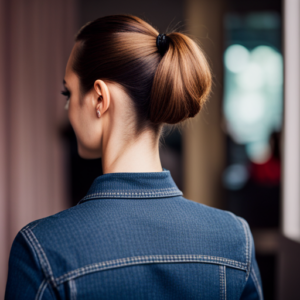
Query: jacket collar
(133,185)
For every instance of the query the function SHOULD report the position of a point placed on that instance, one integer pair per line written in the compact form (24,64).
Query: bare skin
(110,135)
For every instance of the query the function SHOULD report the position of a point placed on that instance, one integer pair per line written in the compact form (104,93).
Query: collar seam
(142,194)
(134,192)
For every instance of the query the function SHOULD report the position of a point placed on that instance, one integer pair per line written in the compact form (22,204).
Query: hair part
(164,89)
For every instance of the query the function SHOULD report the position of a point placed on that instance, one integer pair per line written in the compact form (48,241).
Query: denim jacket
(134,236)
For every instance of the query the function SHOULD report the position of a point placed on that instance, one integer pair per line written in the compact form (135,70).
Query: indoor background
(241,153)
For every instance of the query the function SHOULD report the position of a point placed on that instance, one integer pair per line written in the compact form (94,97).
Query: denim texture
(134,236)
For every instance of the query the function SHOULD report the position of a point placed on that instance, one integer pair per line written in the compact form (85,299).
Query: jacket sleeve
(253,287)
(25,276)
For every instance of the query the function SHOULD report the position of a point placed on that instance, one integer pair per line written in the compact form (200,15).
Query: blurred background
(241,153)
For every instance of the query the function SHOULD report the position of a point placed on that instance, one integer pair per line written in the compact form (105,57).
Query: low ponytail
(182,82)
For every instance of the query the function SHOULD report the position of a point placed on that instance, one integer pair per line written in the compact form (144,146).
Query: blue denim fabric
(134,236)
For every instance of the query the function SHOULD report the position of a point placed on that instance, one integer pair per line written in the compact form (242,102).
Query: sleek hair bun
(182,81)
(165,89)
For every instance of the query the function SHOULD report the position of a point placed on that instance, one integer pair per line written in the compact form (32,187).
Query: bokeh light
(236,58)
(253,96)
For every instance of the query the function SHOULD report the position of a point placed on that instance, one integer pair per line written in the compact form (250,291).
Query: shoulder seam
(34,244)
(248,246)
(36,224)
(257,286)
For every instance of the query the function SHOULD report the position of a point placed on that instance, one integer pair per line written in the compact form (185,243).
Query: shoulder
(221,218)
(217,225)
(32,253)
(226,233)
(46,223)
(57,239)
(44,233)
(29,273)
(232,233)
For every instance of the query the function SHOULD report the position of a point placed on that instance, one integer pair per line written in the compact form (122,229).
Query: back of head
(165,88)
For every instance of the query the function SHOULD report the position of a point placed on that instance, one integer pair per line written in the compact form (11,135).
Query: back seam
(41,290)
(222,274)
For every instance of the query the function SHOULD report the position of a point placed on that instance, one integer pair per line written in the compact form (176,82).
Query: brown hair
(164,89)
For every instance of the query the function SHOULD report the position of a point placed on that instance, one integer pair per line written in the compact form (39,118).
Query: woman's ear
(103,95)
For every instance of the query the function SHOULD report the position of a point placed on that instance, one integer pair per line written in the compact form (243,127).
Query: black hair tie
(162,43)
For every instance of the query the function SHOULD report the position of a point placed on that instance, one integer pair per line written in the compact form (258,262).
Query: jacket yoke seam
(137,260)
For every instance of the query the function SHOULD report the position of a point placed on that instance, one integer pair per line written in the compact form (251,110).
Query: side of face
(82,114)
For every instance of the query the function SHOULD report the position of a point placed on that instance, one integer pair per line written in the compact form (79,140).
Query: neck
(139,155)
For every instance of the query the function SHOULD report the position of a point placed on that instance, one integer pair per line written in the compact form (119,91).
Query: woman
(134,235)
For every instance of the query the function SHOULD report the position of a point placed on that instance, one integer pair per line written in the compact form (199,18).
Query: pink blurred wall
(36,38)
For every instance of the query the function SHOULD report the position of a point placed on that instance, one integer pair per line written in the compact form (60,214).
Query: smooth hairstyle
(164,89)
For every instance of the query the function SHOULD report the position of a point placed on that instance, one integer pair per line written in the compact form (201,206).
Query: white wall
(291,158)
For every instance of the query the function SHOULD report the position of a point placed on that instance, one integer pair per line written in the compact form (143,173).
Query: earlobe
(98,113)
